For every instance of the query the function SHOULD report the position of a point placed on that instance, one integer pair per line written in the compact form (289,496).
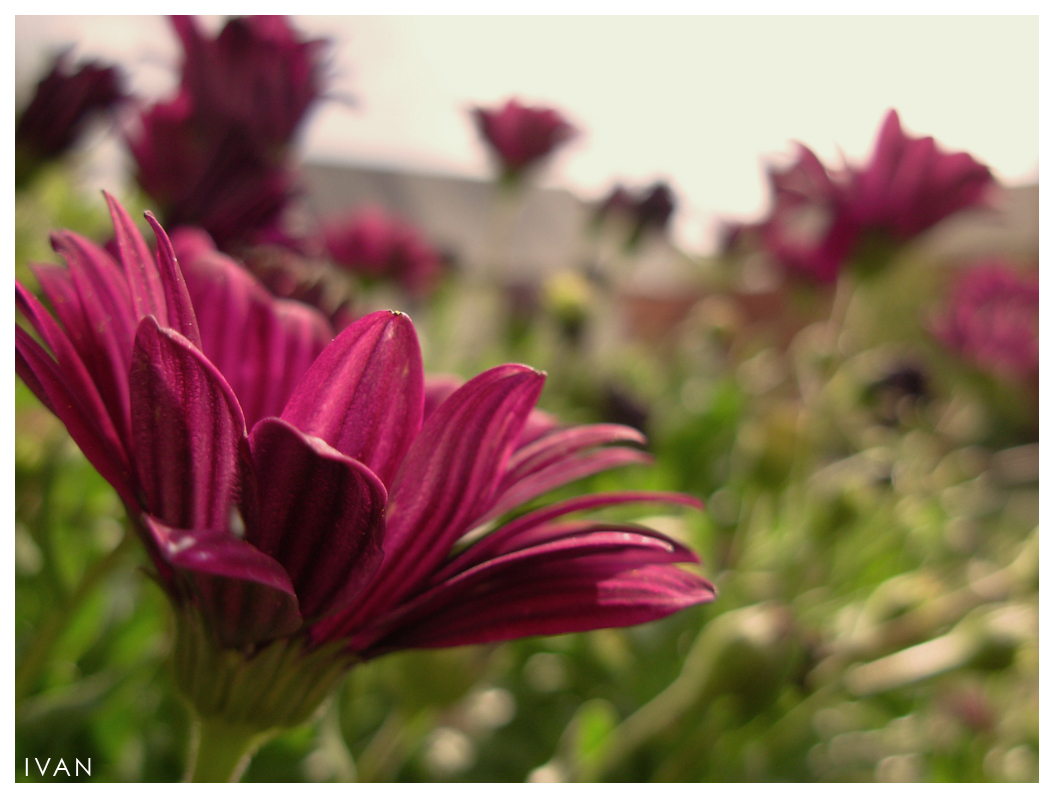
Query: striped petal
(177,300)
(72,369)
(560,457)
(244,595)
(365,393)
(186,431)
(564,443)
(144,282)
(568,584)
(317,512)
(53,388)
(92,302)
(514,534)
(276,340)
(447,481)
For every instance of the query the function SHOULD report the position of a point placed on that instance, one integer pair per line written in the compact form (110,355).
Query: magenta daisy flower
(322,496)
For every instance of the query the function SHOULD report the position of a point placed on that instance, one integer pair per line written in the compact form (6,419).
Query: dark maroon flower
(910,184)
(650,209)
(375,246)
(287,497)
(216,154)
(63,103)
(521,136)
(992,320)
(211,178)
(256,75)
(656,207)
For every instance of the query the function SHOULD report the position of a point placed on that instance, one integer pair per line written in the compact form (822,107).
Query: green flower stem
(506,207)
(222,750)
(811,383)
(28,671)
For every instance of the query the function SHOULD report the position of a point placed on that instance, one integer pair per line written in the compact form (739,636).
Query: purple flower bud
(823,219)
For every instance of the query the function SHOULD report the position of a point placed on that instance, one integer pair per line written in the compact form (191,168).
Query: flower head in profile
(216,154)
(304,499)
(992,320)
(521,136)
(909,184)
(823,219)
(64,101)
(377,246)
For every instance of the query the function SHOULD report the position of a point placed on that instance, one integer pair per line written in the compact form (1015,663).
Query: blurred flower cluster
(380,549)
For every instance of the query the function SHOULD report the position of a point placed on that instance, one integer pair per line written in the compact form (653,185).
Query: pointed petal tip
(111,200)
(523,368)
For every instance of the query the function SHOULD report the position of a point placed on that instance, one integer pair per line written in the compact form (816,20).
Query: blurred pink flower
(216,154)
(63,103)
(207,177)
(521,136)
(256,74)
(992,319)
(377,246)
(809,230)
(910,184)
(822,219)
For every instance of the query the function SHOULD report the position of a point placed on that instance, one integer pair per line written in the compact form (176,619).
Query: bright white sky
(699,101)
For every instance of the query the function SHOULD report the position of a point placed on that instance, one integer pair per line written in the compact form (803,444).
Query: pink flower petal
(276,340)
(317,512)
(179,308)
(186,431)
(447,480)
(364,394)
(244,595)
(144,282)
(51,386)
(569,584)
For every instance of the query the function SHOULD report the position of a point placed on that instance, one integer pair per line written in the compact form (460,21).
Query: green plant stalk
(222,751)
(28,671)
(811,389)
